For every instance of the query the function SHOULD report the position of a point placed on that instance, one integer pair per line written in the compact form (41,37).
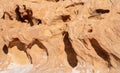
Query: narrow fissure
(53,0)
(115,57)
(71,54)
(75,4)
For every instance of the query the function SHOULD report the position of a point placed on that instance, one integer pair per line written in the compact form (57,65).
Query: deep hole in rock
(18,14)
(65,17)
(25,14)
(71,54)
(39,21)
(100,51)
(5,49)
(36,21)
(21,46)
(22,14)
(90,30)
(102,11)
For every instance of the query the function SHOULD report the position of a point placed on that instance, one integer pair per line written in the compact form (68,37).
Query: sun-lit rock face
(59,36)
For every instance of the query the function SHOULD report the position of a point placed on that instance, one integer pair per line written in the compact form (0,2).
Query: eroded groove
(39,44)
(115,57)
(100,51)
(53,0)
(75,4)
(71,54)
(21,46)
(7,15)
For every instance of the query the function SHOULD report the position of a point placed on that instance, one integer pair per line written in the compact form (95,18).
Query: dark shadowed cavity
(5,49)
(71,54)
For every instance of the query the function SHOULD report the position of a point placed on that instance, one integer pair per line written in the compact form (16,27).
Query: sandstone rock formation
(59,36)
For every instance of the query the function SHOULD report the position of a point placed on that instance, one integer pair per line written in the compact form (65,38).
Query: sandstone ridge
(59,36)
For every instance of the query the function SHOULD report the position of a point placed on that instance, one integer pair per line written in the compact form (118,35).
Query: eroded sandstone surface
(59,36)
